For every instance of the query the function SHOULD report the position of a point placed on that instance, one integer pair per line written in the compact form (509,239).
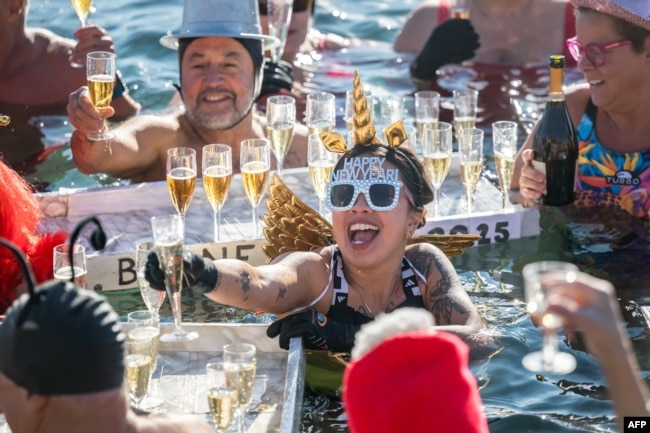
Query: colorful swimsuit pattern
(606,177)
(341,312)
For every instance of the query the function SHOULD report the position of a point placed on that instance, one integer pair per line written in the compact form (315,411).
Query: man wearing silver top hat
(220,46)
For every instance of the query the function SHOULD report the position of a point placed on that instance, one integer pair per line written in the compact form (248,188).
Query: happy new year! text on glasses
(595,52)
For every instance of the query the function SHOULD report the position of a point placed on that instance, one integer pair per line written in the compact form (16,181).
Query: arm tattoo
(245,280)
(282,291)
(442,306)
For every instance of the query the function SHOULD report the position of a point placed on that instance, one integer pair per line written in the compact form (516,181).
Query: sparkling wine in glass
(152,298)
(255,163)
(436,149)
(139,365)
(540,278)
(427,110)
(63,269)
(321,164)
(223,394)
(181,177)
(216,163)
(470,144)
(82,8)
(168,240)
(244,355)
(279,16)
(280,121)
(504,144)
(100,74)
(320,112)
(465,107)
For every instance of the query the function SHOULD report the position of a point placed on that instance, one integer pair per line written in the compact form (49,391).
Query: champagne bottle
(555,143)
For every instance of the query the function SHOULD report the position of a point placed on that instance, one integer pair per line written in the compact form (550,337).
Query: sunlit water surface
(515,400)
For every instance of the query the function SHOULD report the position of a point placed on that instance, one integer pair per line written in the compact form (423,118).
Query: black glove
(200,274)
(317,332)
(451,42)
(277,76)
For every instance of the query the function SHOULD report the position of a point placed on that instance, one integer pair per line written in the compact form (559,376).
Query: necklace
(363,301)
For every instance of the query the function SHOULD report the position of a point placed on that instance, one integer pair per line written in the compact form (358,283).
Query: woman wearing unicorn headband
(378,196)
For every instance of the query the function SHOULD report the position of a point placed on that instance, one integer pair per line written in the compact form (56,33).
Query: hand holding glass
(217,176)
(540,278)
(470,144)
(436,149)
(504,143)
(321,164)
(64,271)
(100,73)
(168,240)
(181,177)
(255,162)
(280,121)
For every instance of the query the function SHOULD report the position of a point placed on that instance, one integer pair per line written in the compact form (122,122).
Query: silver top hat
(226,18)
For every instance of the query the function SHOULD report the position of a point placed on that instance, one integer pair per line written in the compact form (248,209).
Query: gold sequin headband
(364,130)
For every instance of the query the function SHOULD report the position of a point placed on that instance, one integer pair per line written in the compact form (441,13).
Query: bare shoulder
(422,19)
(426,257)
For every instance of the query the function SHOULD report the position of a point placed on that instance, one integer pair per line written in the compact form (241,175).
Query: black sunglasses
(298,6)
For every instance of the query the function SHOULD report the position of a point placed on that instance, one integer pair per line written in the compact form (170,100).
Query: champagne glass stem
(468,195)
(217,225)
(321,206)
(175,297)
(436,203)
(549,348)
(279,170)
(256,232)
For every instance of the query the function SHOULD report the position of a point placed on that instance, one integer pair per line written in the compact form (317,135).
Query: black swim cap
(254,48)
(62,340)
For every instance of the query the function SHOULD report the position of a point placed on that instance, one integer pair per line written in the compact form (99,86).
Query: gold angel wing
(291,224)
(451,245)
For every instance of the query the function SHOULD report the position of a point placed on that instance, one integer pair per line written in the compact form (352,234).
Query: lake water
(515,400)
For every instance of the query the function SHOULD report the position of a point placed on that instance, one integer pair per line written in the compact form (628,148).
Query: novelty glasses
(380,195)
(595,52)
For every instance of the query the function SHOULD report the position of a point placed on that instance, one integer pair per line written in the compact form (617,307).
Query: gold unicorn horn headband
(364,130)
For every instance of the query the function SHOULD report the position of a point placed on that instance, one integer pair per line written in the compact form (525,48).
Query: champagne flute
(427,111)
(223,397)
(504,144)
(82,8)
(168,241)
(460,10)
(100,74)
(465,106)
(152,298)
(139,366)
(255,162)
(470,143)
(279,16)
(280,121)
(540,278)
(436,149)
(63,268)
(181,178)
(244,355)
(348,117)
(321,164)
(320,112)
(217,175)
(391,109)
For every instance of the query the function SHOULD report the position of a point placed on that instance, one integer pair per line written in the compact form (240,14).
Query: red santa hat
(413,382)
(19,217)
